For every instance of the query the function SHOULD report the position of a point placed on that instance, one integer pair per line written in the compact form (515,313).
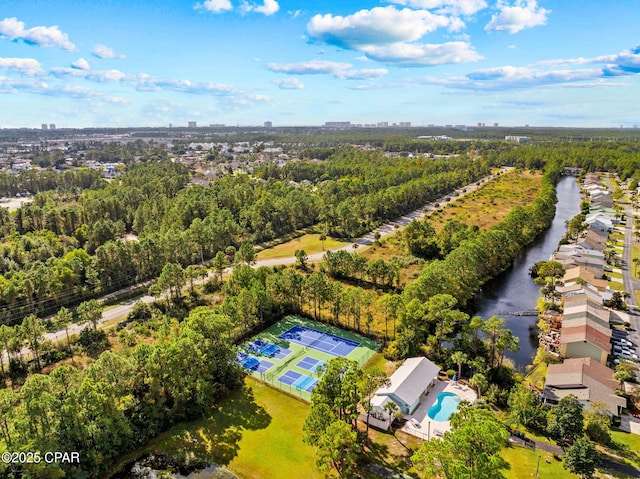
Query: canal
(514,289)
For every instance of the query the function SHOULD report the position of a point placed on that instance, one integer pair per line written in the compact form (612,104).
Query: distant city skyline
(74,63)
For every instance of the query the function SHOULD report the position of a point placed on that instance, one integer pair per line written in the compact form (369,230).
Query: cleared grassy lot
(484,207)
(489,205)
(255,433)
(310,243)
(523,463)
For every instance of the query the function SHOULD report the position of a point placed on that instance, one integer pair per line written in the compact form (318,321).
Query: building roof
(585,378)
(597,231)
(410,380)
(568,262)
(585,273)
(586,333)
(593,241)
(589,306)
(577,294)
(586,318)
(576,249)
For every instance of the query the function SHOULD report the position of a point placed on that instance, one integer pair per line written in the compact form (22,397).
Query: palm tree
(479,381)
(459,358)
(394,412)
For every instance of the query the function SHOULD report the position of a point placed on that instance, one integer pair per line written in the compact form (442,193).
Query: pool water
(446,405)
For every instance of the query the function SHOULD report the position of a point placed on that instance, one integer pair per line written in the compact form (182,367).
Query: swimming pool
(443,409)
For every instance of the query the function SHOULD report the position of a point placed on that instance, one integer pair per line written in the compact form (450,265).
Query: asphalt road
(631,284)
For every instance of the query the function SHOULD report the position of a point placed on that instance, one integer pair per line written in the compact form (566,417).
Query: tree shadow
(219,436)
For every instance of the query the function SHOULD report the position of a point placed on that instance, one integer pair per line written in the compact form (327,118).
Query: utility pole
(538,466)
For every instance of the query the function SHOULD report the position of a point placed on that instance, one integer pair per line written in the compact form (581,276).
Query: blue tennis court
(252,363)
(268,349)
(325,342)
(298,381)
(310,364)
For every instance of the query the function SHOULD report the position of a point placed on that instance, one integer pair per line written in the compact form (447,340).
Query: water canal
(514,289)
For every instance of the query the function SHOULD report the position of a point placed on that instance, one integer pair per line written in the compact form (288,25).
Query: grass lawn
(627,447)
(523,462)
(614,274)
(391,450)
(635,253)
(489,205)
(537,376)
(380,362)
(614,285)
(255,433)
(310,243)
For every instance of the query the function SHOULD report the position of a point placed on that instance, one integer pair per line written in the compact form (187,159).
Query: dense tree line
(36,181)
(176,223)
(344,265)
(120,401)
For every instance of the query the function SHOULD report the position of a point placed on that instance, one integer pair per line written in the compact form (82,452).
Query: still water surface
(514,289)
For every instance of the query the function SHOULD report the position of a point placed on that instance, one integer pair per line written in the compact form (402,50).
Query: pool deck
(427,428)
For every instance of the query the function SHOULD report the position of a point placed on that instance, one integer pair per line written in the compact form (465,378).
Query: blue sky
(82,63)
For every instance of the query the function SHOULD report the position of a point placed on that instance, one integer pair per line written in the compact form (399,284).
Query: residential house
(406,387)
(585,378)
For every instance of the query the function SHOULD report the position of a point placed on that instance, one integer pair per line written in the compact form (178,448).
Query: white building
(406,387)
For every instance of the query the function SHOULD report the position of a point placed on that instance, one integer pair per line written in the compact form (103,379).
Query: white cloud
(103,51)
(80,64)
(340,70)
(294,13)
(512,78)
(629,60)
(313,67)
(216,6)
(8,85)
(363,74)
(378,26)
(417,55)
(117,99)
(289,84)
(146,82)
(41,36)
(625,62)
(268,7)
(514,18)
(99,76)
(390,35)
(455,7)
(25,66)
(548,74)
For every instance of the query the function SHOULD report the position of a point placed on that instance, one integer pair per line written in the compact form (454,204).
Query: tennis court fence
(271,378)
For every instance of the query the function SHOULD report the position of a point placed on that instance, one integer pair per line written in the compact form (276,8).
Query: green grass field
(523,463)
(627,447)
(309,243)
(255,433)
(361,354)
(614,285)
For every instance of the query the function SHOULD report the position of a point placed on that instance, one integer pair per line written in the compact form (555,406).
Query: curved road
(388,229)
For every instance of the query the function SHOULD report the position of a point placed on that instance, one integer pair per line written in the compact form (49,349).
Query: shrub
(93,341)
